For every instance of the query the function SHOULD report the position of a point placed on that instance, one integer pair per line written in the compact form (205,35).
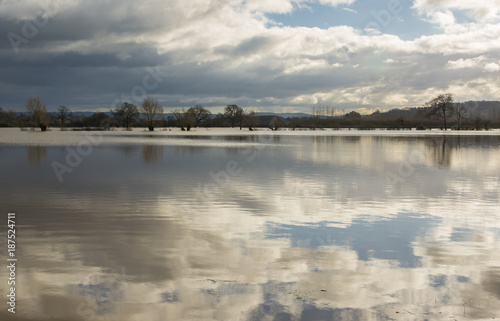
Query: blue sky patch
(388,239)
(402,20)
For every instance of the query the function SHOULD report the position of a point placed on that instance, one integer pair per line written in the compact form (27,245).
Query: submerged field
(223,224)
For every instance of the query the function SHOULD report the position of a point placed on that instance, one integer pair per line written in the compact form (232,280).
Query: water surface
(230,225)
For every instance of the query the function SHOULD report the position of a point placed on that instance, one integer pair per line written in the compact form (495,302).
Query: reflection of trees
(444,148)
(351,139)
(441,149)
(36,155)
(128,149)
(152,153)
(338,142)
(325,139)
(189,149)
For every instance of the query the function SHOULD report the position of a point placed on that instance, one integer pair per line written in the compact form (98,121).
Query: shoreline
(174,136)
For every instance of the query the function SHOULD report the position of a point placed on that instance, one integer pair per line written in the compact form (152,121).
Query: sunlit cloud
(491,67)
(464,63)
(231,51)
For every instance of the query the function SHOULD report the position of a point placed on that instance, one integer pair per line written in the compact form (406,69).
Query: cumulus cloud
(491,67)
(287,6)
(229,51)
(335,3)
(477,63)
(271,6)
(464,63)
(479,10)
(350,10)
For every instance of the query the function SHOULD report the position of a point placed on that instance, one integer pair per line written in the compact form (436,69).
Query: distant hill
(284,115)
(483,109)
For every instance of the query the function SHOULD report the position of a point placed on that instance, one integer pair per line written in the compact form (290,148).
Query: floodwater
(238,225)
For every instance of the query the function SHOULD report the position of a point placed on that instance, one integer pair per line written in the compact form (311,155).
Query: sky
(263,55)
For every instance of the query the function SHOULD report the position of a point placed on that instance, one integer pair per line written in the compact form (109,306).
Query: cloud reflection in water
(311,229)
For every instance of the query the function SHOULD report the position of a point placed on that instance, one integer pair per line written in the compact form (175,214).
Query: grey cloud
(105,75)
(88,55)
(248,47)
(84,21)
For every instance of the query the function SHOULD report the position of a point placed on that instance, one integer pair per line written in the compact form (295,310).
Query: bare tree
(234,114)
(477,122)
(99,120)
(62,114)
(180,117)
(7,118)
(461,110)
(319,111)
(276,123)
(441,107)
(251,120)
(152,110)
(241,117)
(126,113)
(197,115)
(353,115)
(38,112)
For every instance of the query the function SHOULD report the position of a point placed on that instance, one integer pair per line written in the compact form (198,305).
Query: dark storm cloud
(81,21)
(85,56)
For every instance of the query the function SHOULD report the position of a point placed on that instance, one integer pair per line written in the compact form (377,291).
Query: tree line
(439,112)
(149,114)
